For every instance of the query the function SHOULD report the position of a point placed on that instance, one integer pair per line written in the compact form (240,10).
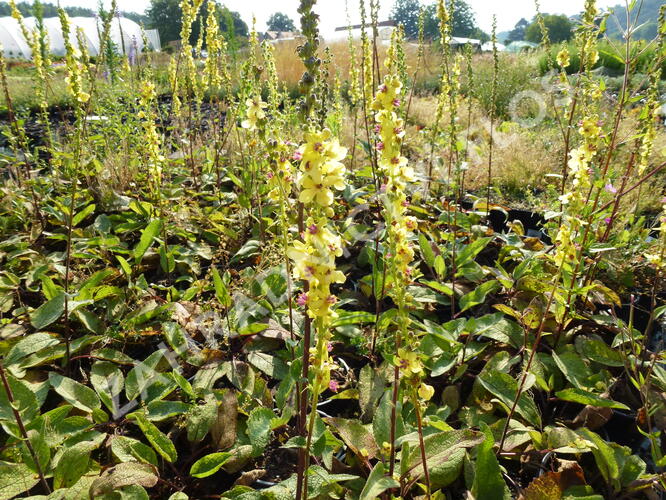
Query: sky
(332,12)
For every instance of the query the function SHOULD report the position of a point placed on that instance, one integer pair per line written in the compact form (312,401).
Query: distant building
(521,46)
(488,47)
(458,42)
(279,36)
(125,34)
(385,30)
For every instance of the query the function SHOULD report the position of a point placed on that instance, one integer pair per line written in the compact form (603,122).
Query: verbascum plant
(366,61)
(354,72)
(651,110)
(250,91)
(396,173)
(445,85)
(38,41)
(74,78)
(321,174)
(151,144)
(580,172)
(273,85)
(190,8)
(216,48)
(174,83)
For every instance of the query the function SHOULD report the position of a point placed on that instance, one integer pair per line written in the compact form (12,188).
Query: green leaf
(445,452)
(250,249)
(439,287)
(440,266)
(353,318)
(156,411)
(25,400)
(124,474)
(15,479)
(89,320)
(603,456)
(83,214)
(595,349)
(108,382)
(200,418)
(167,260)
(146,240)
(488,481)
(28,345)
(48,312)
(573,368)
(478,295)
(377,483)
(259,428)
(75,393)
(125,266)
(41,449)
(73,463)
(210,464)
(272,366)
(127,449)
(588,398)
(355,435)
(156,438)
(426,250)
(221,290)
(470,251)
(505,387)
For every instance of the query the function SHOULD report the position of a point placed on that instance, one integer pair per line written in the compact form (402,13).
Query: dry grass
(290,67)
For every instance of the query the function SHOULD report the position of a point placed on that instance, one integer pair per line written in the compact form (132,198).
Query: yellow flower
(321,169)
(426,392)
(409,362)
(388,95)
(563,58)
(255,112)
(589,128)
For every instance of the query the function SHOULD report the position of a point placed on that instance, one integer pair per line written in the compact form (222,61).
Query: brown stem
(424,462)
(394,409)
(301,484)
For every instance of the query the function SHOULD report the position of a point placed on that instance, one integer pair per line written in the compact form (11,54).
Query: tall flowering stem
(38,40)
(321,173)
(445,86)
(397,175)
(492,112)
(74,80)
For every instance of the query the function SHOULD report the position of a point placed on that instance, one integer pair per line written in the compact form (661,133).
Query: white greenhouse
(124,33)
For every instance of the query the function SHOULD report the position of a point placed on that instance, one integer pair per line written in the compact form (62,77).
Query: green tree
(280,22)
(166,16)
(559,27)
(518,32)
(464,22)
(644,14)
(51,10)
(406,12)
